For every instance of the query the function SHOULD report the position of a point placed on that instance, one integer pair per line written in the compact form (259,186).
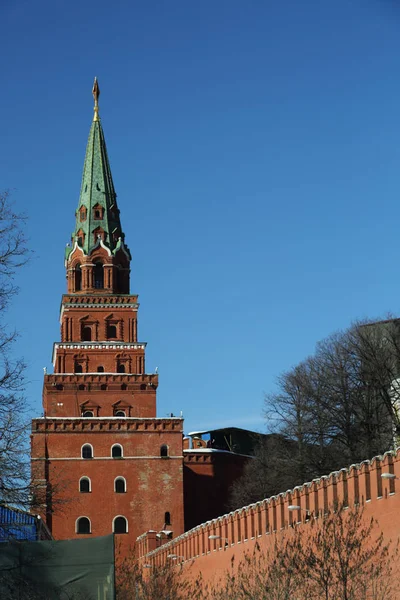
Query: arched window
(78,278)
(81,386)
(87,451)
(80,237)
(88,413)
(111,331)
(78,368)
(98,276)
(120,413)
(103,386)
(124,386)
(84,485)
(120,485)
(167,518)
(116,451)
(164,451)
(86,334)
(98,210)
(82,212)
(120,525)
(121,368)
(83,525)
(100,369)
(143,386)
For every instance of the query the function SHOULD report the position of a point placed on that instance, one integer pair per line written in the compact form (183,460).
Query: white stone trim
(124,480)
(74,248)
(83,445)
(76,524)
(97,244)
(111,418)
(95,346)
(167,447)
(117,446)
(134,305)
(86,416)
(123,416)
(126,521)
(124,250)
(99,346)
(90,483)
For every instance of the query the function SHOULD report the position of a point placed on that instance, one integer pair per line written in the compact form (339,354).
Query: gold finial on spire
(96,94)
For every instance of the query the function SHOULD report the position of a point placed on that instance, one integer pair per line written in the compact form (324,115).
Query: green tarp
(61,570)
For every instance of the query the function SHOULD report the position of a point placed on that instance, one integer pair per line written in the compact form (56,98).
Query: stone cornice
(118,378)
(106,425)
(99,346)
(95,380)
(90,346)
(117,300)
(134,307)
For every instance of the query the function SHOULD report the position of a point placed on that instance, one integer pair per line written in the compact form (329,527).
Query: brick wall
(66,395)
(208,476)
(238,531)
(154,484)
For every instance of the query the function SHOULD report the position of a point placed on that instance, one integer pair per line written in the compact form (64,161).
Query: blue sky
(255,149)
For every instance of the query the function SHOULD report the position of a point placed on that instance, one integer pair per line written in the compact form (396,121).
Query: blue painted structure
(17,524)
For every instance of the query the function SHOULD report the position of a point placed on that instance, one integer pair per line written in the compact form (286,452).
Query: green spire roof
(97,215)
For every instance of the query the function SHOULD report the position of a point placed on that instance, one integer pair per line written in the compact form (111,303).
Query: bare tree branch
(337,407)
(14,451)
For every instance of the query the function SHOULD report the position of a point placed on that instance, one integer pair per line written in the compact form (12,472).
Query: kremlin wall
(209,548)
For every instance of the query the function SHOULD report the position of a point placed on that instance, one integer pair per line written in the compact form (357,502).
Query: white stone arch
(117,446)
(91,448)
(164,451)
(119,478)
(86,411)
(85,478)
(120,517)
(77,524)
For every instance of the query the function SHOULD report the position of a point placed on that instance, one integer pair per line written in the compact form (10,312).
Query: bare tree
(260,575)
(337,407)
(150,582)
(340,557)
(376,348)
(14,465)
(268,472)
(344,557)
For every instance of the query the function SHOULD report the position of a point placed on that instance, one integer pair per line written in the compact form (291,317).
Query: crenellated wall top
(85,301)
(335,477)
(55,378)
(106,424)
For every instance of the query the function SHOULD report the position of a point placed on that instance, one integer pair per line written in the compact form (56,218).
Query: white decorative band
(101,346)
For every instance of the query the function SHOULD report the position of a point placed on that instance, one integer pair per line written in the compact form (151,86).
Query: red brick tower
(102,459)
